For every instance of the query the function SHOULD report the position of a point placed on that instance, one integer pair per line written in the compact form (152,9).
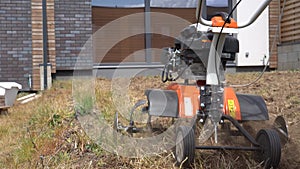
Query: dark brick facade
(15,41)
(21,36)
(73,27)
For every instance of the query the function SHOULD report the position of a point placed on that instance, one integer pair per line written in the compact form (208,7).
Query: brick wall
(73,27)
(289,57)
(15,41)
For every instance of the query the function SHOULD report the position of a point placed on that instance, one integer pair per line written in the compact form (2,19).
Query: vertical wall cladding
(73,27)
(274,12)
(289,47)
(37,40)
(15,41)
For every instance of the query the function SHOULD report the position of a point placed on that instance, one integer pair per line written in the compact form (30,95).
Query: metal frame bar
(241,129)
(45,42)
(148,38)
(213,75)
(255,147)
(228,148)
(128,66)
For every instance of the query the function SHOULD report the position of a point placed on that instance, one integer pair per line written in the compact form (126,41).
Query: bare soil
(281,91)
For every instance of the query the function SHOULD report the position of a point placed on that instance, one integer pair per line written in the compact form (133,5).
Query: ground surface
(45,133)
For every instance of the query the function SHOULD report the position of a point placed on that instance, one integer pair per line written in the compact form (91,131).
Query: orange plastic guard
(188,98)
(231,104)
(217,21)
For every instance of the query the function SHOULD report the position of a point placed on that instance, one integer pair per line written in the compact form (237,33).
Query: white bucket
(9,91)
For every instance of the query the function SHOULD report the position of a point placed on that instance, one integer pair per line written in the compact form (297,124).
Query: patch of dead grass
(45,132)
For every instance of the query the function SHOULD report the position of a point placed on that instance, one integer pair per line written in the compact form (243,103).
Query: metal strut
(256,146)
(241,129)
(228,148)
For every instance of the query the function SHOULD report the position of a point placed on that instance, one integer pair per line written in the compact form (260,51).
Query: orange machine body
(189,101)
(217,21)
(231,104)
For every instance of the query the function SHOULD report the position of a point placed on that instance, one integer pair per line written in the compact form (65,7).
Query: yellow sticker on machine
(231,108)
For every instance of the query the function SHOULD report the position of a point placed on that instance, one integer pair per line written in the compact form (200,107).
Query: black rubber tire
(269,141)
(185,146)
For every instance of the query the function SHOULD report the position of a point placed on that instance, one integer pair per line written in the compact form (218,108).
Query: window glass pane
(119,3)
(217,3)
(140,3)
(174,3)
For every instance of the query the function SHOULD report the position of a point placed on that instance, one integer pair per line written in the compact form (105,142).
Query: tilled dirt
(280,90)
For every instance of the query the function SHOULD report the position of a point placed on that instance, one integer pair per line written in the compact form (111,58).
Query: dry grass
(45,133)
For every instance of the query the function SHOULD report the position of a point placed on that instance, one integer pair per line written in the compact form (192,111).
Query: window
(215,6)
(217,3)
(119,3)
(140,3)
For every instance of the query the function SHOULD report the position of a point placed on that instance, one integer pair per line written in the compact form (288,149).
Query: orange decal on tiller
(231,104)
